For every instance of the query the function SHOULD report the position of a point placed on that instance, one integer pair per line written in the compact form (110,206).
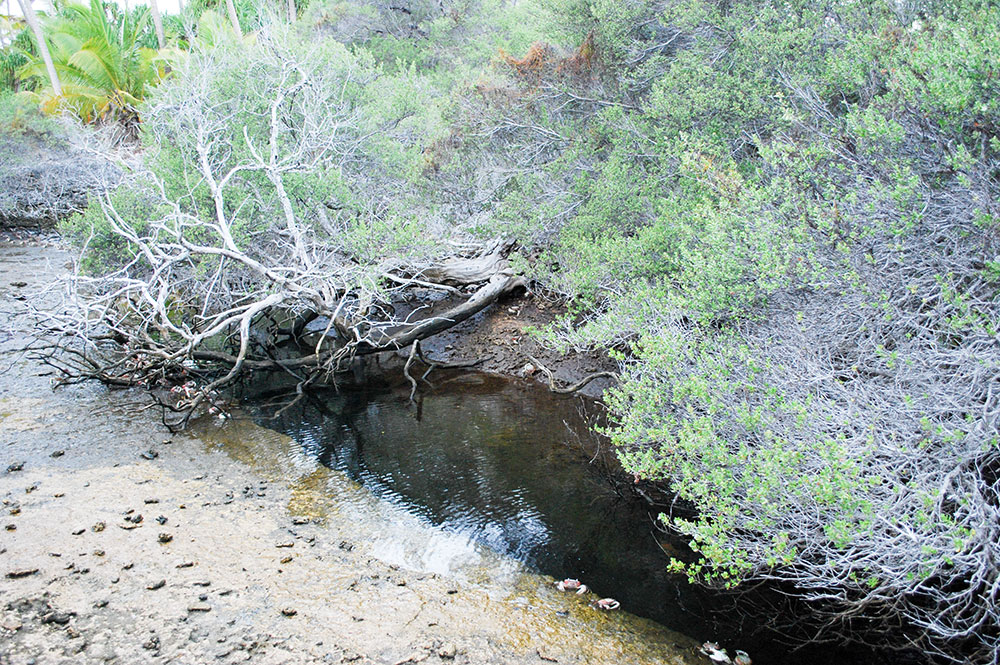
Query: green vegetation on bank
(781,218)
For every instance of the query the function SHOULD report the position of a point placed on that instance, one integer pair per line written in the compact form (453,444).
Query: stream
(509,466)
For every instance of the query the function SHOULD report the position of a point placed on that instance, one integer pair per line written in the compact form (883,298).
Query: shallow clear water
(513,467)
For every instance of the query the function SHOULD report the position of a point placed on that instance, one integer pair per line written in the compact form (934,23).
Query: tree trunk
(291,11)
(43,47)
(157,23)
(233,18)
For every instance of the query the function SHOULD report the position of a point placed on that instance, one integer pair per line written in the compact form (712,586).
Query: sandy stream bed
(247,550)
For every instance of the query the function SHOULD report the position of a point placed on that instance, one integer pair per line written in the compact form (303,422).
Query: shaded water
(515,468)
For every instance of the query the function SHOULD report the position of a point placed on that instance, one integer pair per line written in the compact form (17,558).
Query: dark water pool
(513,467)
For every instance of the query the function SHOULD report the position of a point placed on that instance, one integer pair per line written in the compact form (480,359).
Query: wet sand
(246,551)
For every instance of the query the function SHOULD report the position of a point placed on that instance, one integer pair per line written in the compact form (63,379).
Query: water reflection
(506,465)
(490,462)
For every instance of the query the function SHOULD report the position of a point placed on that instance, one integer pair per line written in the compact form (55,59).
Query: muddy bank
(120,543)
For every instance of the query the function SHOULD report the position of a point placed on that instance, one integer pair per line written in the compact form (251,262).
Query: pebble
(97,528)
(58,453)
(185,564)
(11,527)
(285,545)
(448,651)
(157,585)
(12,625)
(79,532)
(164,538)
(22,572)
(16,466)
(286,559)
(200,607)
(149,454)
(60,618)
(289,611)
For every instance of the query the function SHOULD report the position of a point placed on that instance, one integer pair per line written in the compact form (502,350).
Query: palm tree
(233,18)
(43,48)
(291,11)
(157,23)
(104,59)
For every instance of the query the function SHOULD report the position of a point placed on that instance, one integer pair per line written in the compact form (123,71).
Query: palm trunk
(233,18)
(157,23)
(43,47)
(291,11)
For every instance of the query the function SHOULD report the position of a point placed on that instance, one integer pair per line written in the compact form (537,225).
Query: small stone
(97,528)
(21,572)
(156,585)
(99,552)
(164,538)
(289,611)
(286,559)
(16,466)
(101,603)
(202,583)
(300,520)
(150,500)
(161,520)
(11,527)
(11,625)
(149,454)
(448,651)
(59,495)
(60,618)
(58,453)
(79,532)
(200,607)
(285,545)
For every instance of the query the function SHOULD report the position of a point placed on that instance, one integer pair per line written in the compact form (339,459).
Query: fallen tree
(254,214)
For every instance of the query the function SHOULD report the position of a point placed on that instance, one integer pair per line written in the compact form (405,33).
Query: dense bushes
(784,218)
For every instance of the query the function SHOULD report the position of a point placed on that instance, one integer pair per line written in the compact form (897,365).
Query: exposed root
(572,388)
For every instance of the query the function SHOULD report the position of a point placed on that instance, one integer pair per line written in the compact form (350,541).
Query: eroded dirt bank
(246,550)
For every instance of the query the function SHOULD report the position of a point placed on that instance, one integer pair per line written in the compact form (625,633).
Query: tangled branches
(246,244)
